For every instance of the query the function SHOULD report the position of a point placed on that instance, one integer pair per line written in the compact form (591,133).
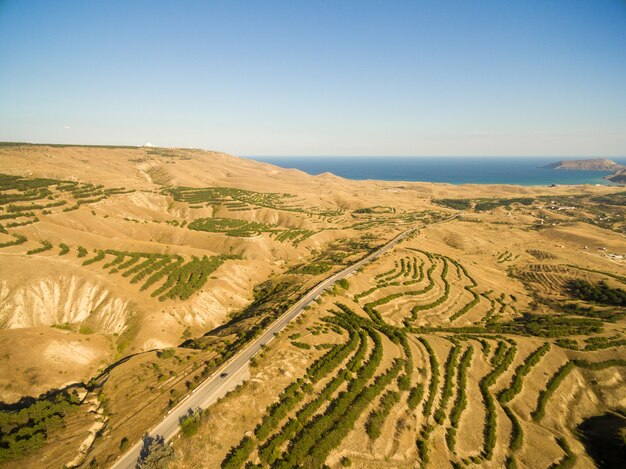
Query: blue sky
(318,77)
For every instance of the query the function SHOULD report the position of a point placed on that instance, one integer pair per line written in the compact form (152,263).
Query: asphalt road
(236,370)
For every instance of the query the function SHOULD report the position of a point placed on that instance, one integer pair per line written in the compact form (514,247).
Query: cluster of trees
(331,360)
(45,246)
(159,273)
(364,293)
(388,272)
(223,195)
(22,208)
(277,411)
(27,425)
(63,249)
(457,204)
(28,186)
(490,204)
(599,292)
(19,239)
(375,209)
(182,279)
(269,452)
(405,269)
(295,236)
(14,215)
(15,224)
(470,289)
(542,325)
(97,258)
(598,343)
(86,191)
(190,277)
(314,268)
(294,394)
(606,314)
(230,226)
(599,365)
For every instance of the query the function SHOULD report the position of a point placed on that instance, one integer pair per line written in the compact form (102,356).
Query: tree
(155,454)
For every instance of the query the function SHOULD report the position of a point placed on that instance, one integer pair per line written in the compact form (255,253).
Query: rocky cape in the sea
(593,164)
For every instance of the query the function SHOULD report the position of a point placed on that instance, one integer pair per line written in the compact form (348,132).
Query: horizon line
(133,146)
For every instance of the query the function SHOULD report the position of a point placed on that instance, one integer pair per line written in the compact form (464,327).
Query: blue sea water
(524,171)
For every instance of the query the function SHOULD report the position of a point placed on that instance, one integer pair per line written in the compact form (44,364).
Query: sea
(525,171)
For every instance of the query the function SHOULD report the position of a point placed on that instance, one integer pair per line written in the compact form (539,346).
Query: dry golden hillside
(493,336)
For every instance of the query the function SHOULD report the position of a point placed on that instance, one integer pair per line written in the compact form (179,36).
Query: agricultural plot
(242,200)
(247,229)
(166,276)
(24,200)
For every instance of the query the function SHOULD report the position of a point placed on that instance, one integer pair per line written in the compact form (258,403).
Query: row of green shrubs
(521,371)
(317,429)
(446,392)
(461,398)
(434,377)
(489,431)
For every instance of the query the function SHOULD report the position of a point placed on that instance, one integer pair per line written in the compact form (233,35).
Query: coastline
(457,171)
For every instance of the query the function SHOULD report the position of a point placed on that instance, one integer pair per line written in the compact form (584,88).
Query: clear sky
(534,77)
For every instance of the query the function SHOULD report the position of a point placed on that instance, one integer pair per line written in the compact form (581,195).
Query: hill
(594,164)
(619,177)
(493,336)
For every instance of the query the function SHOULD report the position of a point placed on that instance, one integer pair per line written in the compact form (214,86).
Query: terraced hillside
(419,362)
(493,336)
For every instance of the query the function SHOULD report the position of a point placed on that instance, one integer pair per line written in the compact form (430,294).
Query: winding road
(235,371)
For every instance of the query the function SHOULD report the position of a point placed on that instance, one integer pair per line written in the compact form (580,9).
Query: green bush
(190,423)
(166,353)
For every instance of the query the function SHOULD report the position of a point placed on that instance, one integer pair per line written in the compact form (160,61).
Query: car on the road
(223,375)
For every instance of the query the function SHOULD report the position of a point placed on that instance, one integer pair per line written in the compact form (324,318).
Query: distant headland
(593,164)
